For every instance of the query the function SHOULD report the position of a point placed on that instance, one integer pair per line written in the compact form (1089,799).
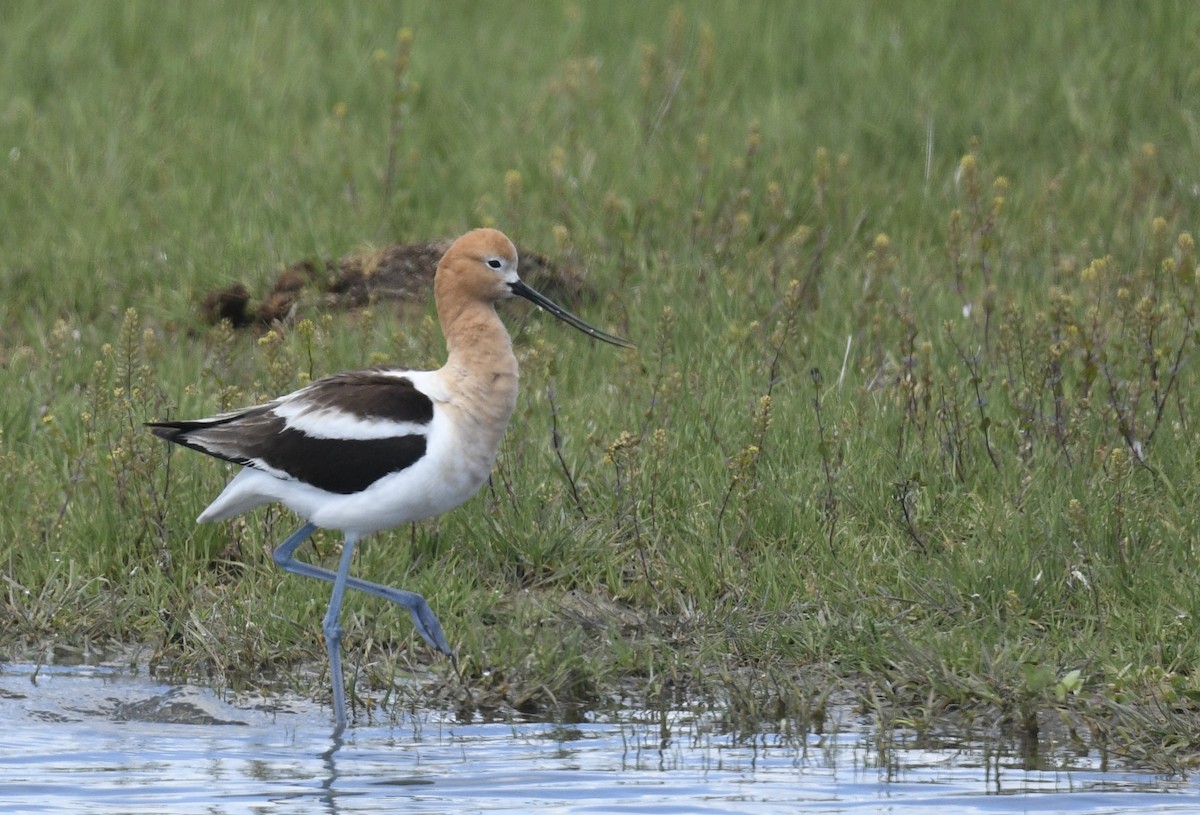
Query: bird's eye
(494,263)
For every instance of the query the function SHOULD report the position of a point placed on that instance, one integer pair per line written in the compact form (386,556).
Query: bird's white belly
(430,487)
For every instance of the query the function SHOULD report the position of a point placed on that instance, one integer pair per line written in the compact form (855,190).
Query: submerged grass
(912,418)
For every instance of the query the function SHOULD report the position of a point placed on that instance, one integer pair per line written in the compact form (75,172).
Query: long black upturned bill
(542,301)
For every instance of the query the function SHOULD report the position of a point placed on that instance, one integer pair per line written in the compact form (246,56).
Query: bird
(365,451)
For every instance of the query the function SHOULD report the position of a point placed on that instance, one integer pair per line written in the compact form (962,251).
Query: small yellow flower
(800,236)
(512,185)
(823,163)
(558,161)
(625,441)
(753,138)
(562,236)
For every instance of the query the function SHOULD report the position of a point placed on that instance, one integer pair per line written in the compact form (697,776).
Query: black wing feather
(258,436)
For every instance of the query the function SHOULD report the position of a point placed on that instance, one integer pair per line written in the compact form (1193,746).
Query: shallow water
(86,740)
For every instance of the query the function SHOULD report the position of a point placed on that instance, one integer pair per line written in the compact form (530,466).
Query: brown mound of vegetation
(401,272)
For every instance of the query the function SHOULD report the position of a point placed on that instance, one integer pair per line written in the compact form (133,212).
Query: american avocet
(368,450)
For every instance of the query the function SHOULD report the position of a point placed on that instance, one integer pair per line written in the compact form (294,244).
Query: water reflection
(329,759)
(88,740)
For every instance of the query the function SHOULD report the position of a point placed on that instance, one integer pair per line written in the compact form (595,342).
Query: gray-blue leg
(423,617)
(332,627)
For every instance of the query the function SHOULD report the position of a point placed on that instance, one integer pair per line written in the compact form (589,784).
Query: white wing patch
(333,423)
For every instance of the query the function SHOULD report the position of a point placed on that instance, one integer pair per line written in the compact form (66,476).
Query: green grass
(913,412)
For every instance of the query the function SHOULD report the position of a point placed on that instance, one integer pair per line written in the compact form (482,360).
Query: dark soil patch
(401,272)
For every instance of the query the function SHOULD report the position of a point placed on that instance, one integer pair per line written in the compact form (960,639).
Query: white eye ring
(495,263)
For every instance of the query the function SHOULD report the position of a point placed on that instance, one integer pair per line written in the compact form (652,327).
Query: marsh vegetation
(913,418)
